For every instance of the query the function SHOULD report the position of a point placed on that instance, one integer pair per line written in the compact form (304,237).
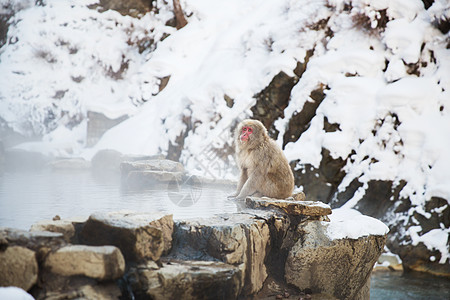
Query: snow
(351,224)
(14,293)
(435,239)
(63,59)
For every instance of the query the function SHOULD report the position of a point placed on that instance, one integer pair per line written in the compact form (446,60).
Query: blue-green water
(386,285)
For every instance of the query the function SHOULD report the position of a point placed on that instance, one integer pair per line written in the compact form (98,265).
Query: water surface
(409,286)
(27,197)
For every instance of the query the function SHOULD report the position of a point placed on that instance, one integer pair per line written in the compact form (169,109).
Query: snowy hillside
(383,66)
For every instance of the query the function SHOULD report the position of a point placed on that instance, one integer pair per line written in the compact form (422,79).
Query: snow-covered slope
(385,66)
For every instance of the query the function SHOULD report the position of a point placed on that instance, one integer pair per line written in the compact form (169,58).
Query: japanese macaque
(264,169)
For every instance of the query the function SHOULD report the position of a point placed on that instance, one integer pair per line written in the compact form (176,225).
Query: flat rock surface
(187,280)
(291,207)
(34,240)
(102,263)
(64,227)
(139,236)
(151,165)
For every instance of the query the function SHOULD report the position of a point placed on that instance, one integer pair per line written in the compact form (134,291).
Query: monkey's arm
(242,179)
(251,185)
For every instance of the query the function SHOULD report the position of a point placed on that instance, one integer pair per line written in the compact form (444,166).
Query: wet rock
(70,164)
(187,280)
(337,267)
(238,239)
(145,179)
(102,263)
(291,207)
(66,228)
(35,240)
(140,236)
(18,267)
(151,165)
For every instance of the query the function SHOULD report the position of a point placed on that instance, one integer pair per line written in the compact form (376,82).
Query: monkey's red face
(246,132)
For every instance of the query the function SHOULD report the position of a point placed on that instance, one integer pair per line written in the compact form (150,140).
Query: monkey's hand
(233,196)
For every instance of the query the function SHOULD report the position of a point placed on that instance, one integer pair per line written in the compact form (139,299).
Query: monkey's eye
(250,130)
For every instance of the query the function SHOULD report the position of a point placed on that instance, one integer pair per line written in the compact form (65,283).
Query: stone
(34,240)
(337,267)
(102,263)
(106,160)
(140,236)
(138,179)
(70,164)
(186,280)
(291,207)
(18,267)
(238,239)
(66,228)
(151,165)
(103,291)
(299,196)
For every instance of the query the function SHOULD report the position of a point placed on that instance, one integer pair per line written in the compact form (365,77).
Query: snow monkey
(264,169)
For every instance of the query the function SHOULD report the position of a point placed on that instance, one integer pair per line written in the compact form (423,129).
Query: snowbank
(349,223)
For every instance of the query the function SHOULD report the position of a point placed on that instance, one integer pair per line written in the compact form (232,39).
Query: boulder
(143,179)
(238,239)
(104,291)
(40,241)
(66,228)
(151,165)
(140,236)
(18,267)
(291,207)
(145,173)
(186,280)
(328,264)
(106,161)
(102,263)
